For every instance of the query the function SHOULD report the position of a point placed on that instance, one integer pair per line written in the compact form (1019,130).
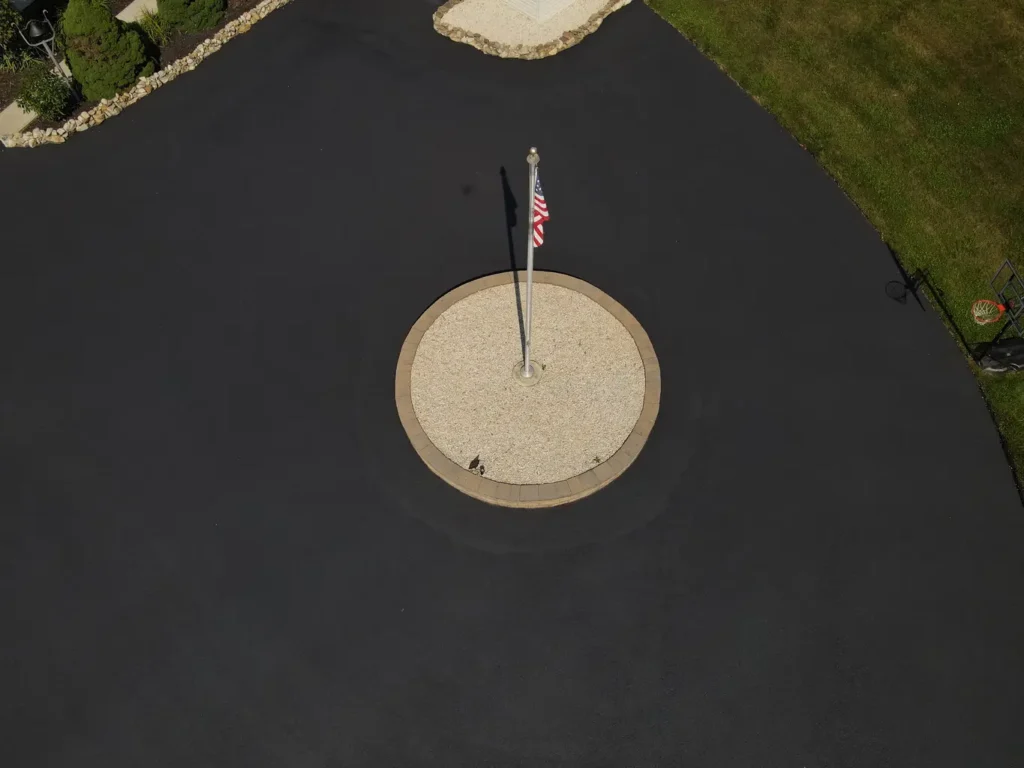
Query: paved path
(218,549)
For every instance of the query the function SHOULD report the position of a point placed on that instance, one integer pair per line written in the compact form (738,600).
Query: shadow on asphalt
(510,223)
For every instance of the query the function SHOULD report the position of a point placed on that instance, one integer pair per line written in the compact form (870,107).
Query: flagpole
(533,159)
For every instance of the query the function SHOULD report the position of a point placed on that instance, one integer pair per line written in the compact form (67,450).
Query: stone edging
(546,494)
(568,39)
(108,108)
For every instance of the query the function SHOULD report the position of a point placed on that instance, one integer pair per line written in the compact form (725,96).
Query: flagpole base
(536,373)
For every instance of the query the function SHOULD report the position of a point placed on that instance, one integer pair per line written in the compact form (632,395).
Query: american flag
(540,213)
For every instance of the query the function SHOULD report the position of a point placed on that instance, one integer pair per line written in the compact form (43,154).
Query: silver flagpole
(533,159)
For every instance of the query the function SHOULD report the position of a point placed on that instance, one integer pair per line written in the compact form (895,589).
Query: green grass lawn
(916,107)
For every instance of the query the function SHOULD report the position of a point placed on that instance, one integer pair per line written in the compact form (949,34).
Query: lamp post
(36,35)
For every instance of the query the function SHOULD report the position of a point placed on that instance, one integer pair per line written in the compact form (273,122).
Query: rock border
(108,108)
(546,494)
(568,39)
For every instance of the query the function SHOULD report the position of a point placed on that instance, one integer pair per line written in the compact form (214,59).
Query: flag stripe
(540,213)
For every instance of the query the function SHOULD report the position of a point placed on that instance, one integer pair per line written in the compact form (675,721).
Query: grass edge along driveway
(916,108)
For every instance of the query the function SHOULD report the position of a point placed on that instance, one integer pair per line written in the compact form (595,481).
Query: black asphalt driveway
(217,547)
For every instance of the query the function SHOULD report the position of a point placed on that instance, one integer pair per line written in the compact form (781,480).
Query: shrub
(14,58)
(105,54)
(191,15)
(155,28)
(10,42)
(44,91)
(9,21)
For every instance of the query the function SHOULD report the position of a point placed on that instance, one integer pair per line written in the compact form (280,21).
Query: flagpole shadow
(510,222)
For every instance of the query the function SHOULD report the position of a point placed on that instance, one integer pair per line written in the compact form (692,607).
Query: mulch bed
(10,82)
(180,44)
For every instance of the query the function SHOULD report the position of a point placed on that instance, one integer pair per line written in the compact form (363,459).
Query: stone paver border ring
(546,494)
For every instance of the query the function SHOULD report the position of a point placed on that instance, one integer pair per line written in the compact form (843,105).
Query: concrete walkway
(134,10)
(14,119)
(218,547)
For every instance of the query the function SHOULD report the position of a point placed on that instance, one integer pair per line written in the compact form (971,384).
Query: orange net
(985,311)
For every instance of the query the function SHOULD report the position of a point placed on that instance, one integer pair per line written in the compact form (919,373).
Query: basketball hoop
(985,311)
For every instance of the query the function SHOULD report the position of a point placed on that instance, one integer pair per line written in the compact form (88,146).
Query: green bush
(105,54)
(44,91)
(191,15)
(9,21)
(155,28)
(10,42)
(13,53)
(14,58)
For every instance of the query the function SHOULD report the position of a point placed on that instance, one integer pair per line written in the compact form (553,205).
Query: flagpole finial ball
(533,158)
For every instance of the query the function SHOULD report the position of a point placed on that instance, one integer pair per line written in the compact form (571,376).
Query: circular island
(568,430)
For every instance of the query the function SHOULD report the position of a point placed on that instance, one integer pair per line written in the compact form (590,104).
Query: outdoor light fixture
(38,35)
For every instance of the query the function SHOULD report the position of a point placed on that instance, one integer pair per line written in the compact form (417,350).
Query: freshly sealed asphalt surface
(218,549)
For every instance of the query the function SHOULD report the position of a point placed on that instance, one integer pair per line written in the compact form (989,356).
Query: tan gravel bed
(498,29)
(497,21)
(583,409)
